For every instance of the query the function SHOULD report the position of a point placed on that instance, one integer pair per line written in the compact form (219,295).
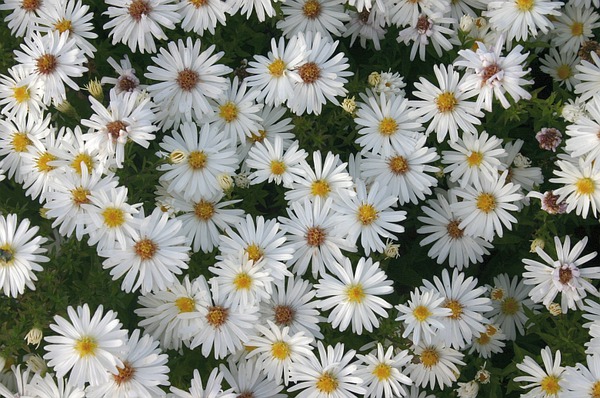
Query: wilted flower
(391,250)
(374,79)
(555,309)
(467,390)
(549,138)
(349,105)
(537,242)
(34,336)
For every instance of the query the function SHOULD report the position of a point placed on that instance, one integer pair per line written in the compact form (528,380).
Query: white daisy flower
(74,152)
(329,375)
(54,59)
(430,28)
(354,295)
(321,77)
(407,12)
(212,390)
(129,117)
(144,370)
(245,377)
(326,17)
(563,275)
(382,373)
(153,255)
(581,186)
(485,207)
(276,349)
(589,75)
(202,15)
(187,78)
(403,173)
(494,75)
(273,76)
(292,304)
(544,383)
(489,342)
(437,364)
(449,241)
(272,126)
(465,299)
(573,27)
(475,158)
(519,168)
(271,164)
(509,297)
(446,106)
(422,315)
(87,346)
(17,380)
(584,141)
(168,314)
(387,122)
(48,387)
(21,94)
(561,67)
(262,8)
(23,20)
(207,153)
(370,216)
(368,25)
(127,80)
(138,22)
(389,83)
(21,252)
(71,17)
(313,236)
(520,18)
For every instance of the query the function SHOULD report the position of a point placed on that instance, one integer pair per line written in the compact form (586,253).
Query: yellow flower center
(311,9)
(46,64)
(145,249)
(242,281)
(327,383)
(86,346)
(320,188)
(429,357)
(474,159)
(139,8)
(524,5)
(280,350)
(228,111)
(483,339)
(595,393)
(388,126)
(456,308)
(20,142)
(277,67)
(497,293)
(563,72)
(204,210)
(254,252)
(421,313)
(217,316)
(398,165)
(125,374)
(79,196)
(446,102)
(382,371)
(43,160)
(367,214)
(7,254)
(197,160)
(113,217)
(63,25)
(21,94)
(486,202)
(453,230)
(309,72)
(315,236)
(277,167)
(549,385)
(185,304)
(30,5)
(198,3)
(585,186)
(187,79)
(258,137)
(577,29)
(355,293)
(490,330)
(510,306)
(86,159)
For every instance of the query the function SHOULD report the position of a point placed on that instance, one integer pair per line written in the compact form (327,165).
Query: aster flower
(583,141)
(138,22)
(561,67)
(422,315)
(382,372)
(212,390)
(354,295)
(273,125)
(262,8)
(573,27)
(127,80)
(489,342)
(21,94)
(20,255)
(199,16)
(429,28)
(86,346)
(49,386)
(519,168)
(589,75)
(437,364)
(581,186)
(326,17)
(547,382)
(366,25)
(549,202)
(407,12)
(245,377)
(549,138)
(272,164)
(22,21)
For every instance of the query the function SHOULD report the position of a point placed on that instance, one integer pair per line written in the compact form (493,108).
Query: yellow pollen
(320,188)
(367,214)
(126,373)
(453,230)
(254,252)
(187,79)
(388,126)
(217,316)
(145,249)
(563,72)
(114,129)
(284,315)
(85,159)
(315,236)
(486,202)
(311,9)
(327,383)
(242,281)
(490,330)
(446,102)
(113,217)
(382,371)
(21,94)
(185,304)
(43,160)
(497,293)
(30,5)
(258,137)
(429,357)
(198,3)
(46,64)
(421,313)
(280,350)
(585,186)
(79,196)
(355,293)
(197,160)
(474,159)
(398,165)
(20,142)
(204,210)
(277,67)
(309,72)
(524,5)
(86,346)
(228,111)
(577,29)
(549,385)
(483,339)
(7,254)
(63,25)
(595,393)
(139,8)
(509,306)
(456,308)
(277,167)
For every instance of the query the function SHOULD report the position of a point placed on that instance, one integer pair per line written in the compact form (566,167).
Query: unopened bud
(373,79)
(34,336)
(225,182)
(537,242)
(555,309)
(349,105)
(94,87)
